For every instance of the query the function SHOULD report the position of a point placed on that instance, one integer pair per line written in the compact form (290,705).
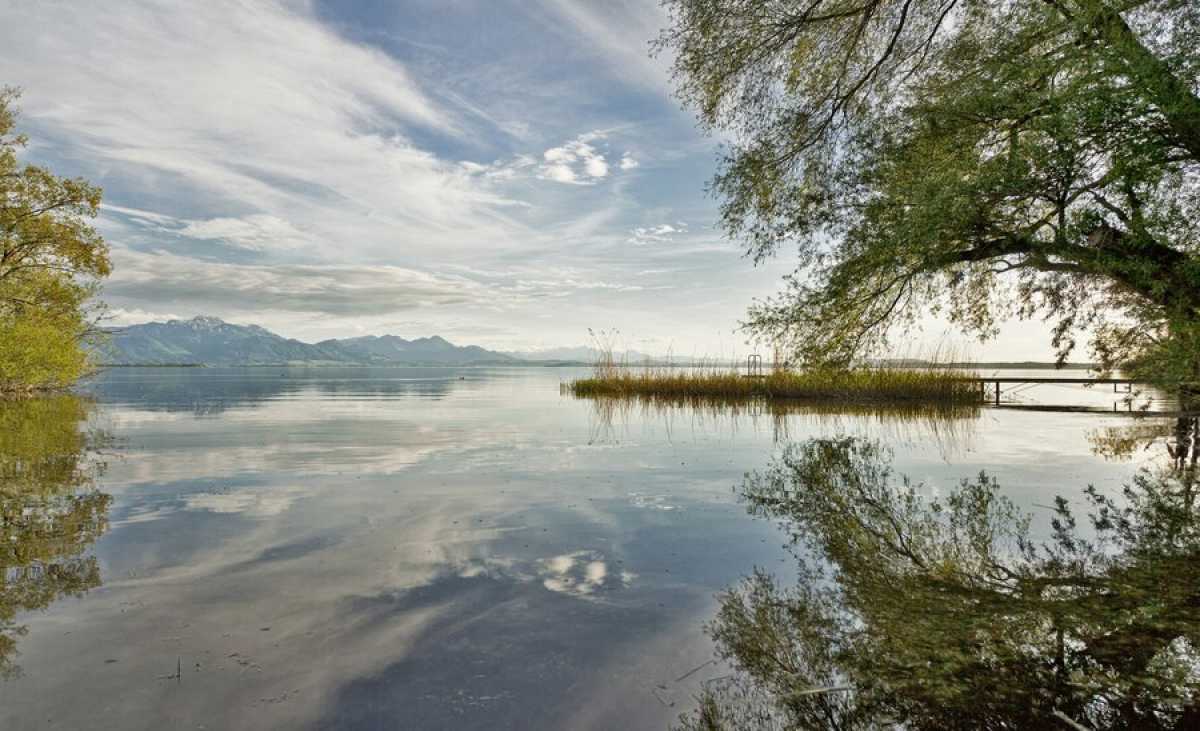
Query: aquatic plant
(712,380)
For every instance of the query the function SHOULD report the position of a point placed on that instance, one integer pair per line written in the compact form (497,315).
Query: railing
(754,366)
(983,382)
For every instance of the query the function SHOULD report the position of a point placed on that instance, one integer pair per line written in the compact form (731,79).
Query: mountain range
(212,341)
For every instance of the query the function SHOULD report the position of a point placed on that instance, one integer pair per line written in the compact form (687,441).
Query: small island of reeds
(862,385)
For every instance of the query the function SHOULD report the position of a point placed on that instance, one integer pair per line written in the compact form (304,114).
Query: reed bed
(865,385)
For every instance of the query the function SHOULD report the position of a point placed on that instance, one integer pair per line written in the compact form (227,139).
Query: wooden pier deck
(997,381)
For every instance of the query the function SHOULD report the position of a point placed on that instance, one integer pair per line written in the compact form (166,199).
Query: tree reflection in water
(50,509)
(1180,436)
(942,612)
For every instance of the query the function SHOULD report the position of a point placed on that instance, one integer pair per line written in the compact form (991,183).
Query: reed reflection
(948,427)
(50,509)
(922,611)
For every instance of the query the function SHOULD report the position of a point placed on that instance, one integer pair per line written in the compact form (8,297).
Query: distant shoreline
(1014,365)
(152,365)
(505,364)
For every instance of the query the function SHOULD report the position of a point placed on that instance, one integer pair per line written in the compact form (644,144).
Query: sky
(505,173)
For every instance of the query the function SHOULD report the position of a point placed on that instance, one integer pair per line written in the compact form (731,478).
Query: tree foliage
(922,612)
(51,261)
(978,159)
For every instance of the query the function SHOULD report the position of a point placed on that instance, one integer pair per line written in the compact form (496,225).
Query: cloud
(346,290)
(577,162)
(255,232)
(136,215)
(619,32)
(501,170)
(546,281)
(252,232)
(349,291)
(119,316)
(564,287)
(661,233)
(256,115)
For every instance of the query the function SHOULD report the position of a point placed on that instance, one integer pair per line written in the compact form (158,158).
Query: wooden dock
(755,368)
(1020,379)
(996,381)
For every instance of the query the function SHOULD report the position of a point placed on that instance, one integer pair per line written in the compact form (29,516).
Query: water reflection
(1180,437)
(948,427)
(350,548)
(1185,450)
(924,610)
(213,391)
(50,510)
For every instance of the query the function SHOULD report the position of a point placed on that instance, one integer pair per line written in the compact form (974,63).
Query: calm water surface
(421,548)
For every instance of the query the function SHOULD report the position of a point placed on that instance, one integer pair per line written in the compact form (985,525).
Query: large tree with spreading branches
(969,158)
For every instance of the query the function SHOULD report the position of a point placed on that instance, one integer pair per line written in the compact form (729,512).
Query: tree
(927,613)
(973,158)
(51,261)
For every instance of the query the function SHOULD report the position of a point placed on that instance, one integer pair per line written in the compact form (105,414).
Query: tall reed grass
(932,385)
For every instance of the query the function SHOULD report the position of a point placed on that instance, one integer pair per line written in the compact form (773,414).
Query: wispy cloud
(661,233)
(343,290)
(256,111)
(620,31)
(256,232)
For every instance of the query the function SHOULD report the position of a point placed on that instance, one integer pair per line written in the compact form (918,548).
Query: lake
(367,548)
